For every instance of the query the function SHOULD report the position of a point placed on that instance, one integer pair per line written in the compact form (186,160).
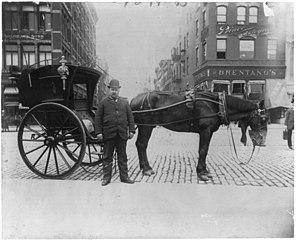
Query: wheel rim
(42,136)
(93,154)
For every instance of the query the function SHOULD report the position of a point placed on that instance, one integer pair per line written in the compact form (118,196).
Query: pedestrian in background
(289,122)
(114,124)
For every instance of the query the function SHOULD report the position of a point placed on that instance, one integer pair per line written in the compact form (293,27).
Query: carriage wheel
(43,134)
(93,154)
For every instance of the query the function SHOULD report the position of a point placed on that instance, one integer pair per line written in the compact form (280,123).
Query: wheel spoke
(31,129)
(94,147)
(32,140)
(40,156)
(39,123)
(47,162)
(67,137)
(67,150)
(56,161)
(64,159)
(35,149)
(89,155)
(67,132)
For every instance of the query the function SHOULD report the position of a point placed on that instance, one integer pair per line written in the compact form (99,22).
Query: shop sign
(18,36)
(240,73)
(248,73)
(242,31)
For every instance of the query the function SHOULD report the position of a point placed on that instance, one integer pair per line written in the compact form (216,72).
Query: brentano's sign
(240,73)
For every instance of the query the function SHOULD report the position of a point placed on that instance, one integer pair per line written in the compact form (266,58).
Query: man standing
(289,122)
(114,124)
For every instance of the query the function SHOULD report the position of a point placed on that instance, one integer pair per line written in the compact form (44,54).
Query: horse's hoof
(148,172)
(203,177)
(209,175)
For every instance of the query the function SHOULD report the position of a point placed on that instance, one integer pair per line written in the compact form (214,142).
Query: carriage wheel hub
(50,141)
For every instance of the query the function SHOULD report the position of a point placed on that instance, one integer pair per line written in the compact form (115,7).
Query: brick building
(239,48)
(38,34)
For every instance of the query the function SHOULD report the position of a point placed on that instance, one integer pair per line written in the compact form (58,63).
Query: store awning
(11,104)
(11,90)
(276,94)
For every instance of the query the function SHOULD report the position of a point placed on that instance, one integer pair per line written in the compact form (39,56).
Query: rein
(235,151)
(170,106)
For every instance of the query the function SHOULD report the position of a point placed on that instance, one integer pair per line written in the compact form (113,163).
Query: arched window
(221,14)
(253,15)
(241,15)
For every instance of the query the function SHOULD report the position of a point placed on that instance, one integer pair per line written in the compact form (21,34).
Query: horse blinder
(259,127)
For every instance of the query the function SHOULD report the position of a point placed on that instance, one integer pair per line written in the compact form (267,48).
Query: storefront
(252,83)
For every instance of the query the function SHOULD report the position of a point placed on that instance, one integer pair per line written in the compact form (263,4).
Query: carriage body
(56,134)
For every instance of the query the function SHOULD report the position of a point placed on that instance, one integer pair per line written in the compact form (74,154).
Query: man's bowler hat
(114,83)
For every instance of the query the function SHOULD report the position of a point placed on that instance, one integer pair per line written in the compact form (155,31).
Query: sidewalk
(80,209)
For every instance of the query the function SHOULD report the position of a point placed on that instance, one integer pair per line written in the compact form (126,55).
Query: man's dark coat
(114,117)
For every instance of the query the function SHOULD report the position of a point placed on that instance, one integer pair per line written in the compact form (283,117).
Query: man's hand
(100,136)
(130,135)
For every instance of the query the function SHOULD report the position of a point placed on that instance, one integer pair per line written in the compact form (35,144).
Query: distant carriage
(56,135)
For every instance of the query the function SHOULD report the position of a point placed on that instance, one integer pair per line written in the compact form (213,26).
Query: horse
(203,113)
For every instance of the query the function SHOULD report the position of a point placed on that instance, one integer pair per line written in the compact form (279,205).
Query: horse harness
(189,101)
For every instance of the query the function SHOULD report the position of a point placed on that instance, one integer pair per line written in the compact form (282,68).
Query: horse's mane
(232,102)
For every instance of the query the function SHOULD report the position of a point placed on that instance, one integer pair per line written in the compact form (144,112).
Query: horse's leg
(204,142)
(144,134)
(243,128)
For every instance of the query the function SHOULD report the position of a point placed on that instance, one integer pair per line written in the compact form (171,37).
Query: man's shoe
(105,182)
(127,180)
(291,148)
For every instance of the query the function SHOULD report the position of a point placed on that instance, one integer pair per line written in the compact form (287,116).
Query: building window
(28,18)
(183,63)
(44,18)
(45,57)
(11,17)
(241,15)
(11,56)
(221,14)
(253,15)
(271,49)
(256,89)
(204,19)
(196,56)
(238,87)
(221,48)
(220,86)
(246,49)
(196,27)
(28,55)
(204,51)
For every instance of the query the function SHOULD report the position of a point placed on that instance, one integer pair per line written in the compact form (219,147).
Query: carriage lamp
(63,71)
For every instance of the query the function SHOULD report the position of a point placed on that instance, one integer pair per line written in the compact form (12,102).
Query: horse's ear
(261,104)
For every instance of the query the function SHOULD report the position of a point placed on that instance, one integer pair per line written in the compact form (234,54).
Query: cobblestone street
(173,156)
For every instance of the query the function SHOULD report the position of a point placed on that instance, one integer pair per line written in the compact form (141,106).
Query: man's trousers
(109,146)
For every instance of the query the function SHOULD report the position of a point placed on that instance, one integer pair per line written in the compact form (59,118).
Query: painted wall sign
(242,31)
(248,73)
(18,36)
(240,73)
